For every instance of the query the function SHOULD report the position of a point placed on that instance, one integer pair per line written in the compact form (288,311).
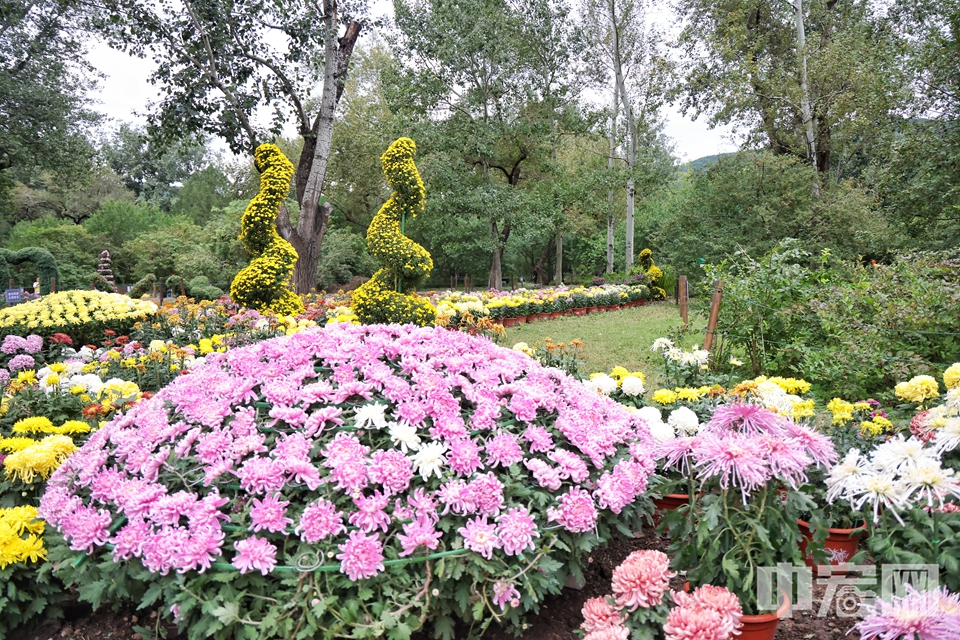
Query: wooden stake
(53,285)
(714,315)
(682,287)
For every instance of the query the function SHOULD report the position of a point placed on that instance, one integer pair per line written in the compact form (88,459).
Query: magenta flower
(361,557)
(391,469)
(503,450)
(371,512)
(12,344)
(547,476)
(419,533)
(615,490)
(254,554)
(457,498)
(269,514)
(505,593)
(745,418)
(33,343)
(464,456)
(22,361)
(576,513)
(86,527)
(677,452)
(569,465)
(516,531)
(480,536)
(486,491)
(737,460)
(320,520)
(261,475)
(539,439)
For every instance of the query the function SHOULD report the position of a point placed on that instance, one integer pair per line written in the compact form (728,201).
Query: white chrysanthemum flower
(662,344)
(736,362)
(371,416)
(632,386)
(897,454)
(930,481)
(684,420)
(601,383)
(429,459)
(845,478)
(702,356)
(661,431)
(882,490)
(953,399)
(650,414)
(948,436)
(89,381)
(193,363)
(688,358)
(404,436)
(673,354)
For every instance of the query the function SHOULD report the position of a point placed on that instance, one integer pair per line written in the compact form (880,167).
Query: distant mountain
(702,163)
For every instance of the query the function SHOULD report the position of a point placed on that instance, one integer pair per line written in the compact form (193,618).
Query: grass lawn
(615,337)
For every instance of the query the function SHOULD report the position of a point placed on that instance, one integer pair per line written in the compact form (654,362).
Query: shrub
(45,262)
(330,482)
(201,289)
(144,286)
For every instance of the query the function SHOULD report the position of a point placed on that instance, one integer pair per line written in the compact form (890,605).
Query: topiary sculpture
(144,286)
(406,264)
(262,284)
(655,273)
(43,259)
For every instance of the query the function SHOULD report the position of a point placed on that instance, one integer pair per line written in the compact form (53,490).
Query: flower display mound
(82,315)
(350,481)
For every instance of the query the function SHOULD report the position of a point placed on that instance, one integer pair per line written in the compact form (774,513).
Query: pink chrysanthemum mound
(370,445)
(642,579)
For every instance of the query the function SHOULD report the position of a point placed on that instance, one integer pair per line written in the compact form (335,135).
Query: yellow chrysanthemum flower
(951,377)
(34,424)
(664,396)
(39,460)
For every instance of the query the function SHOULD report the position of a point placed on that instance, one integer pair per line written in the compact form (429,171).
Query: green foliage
(202,193)
(45,263)
(70,244)
(100,283)
(923,538)
(29,590)
(176,284)
(853,329)
(753,200)
(157,251)
(144,286)
(201,289)
(343,256)
(122,221)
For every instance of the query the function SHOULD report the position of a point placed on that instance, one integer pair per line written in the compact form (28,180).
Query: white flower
(948,436)
(953,399)
(429,459)
(673,354)
(736,362)
(661,344)
(684,420)
(844,478)
(650,414)
(193,363)
(370,416)
(601,383)
(899,454)
(632,386)
(881,490)
(661,431)
(931,481)
(404,436)
(702,356)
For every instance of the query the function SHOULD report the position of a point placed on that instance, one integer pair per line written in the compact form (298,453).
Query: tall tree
(43,84)
(223,63)
(809,79)
(634,52)
(489,84)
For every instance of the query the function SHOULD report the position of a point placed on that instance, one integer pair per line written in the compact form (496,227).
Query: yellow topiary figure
(263,283)
(655,273)
(405,263)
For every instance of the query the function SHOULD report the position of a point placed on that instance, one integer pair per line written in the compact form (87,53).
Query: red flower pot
(509,322)
(580,311)
(764,626)
(544,316)
(532,318)
(554,315)
(669,502)
(520,320)
(840,545)
(593,309)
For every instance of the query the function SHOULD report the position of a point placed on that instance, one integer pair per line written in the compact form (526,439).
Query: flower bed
(356,480)
(82,315)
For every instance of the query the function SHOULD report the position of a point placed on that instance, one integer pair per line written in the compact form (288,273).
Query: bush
(201,289)
(855,328)
(343,258)
(144,286)
(330,483)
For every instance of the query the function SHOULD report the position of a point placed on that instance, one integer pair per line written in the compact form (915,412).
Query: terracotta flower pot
(669,502)
(554,315)
(593,309)
(544,316)
(764,626)
(840,545)
(520,320)
(580,311)
(532,318)
(509,322)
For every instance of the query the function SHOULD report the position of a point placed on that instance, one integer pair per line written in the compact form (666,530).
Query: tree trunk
(558,278)
(631,130)
(631,198)
(541,267)
(312,167)
(499,242)
(611,163)
(806,109)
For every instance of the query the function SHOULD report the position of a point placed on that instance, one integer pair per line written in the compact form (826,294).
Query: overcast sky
(125,93)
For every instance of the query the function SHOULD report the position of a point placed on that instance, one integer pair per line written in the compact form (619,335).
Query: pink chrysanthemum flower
(505,593)
(503,450)
(735,459)
(569,465)
(615,490)
(419,533)
(576,513)
(320,520)
(371,512)
(641,579)
(269,514)
(392,469)
(745,418)
(695,623)
(487,493)
(548,477)
(261,475)
(350,475)
(254,554)
(718,599)
(786,459)
(919,615)
(516,531)
(817,446)
(361,557)
(615,632)
(464,456)
(480,536)
(599,613)
(456,498)
(539,439)
(677,452)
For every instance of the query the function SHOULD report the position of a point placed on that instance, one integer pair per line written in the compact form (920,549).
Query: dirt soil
(559,617)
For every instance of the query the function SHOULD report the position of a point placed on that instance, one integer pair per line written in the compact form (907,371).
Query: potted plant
(743,472)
